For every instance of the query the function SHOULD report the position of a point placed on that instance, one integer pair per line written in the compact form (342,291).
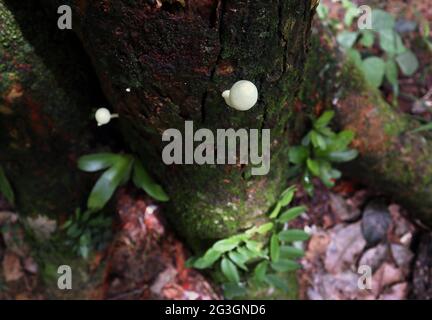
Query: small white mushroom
(103,116)
(242,96)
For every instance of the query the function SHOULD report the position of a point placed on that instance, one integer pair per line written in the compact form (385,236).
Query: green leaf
(250,254)
(348,4)
(335,174)
(108,183)
(5,187)
(391,42)
(425,29)
(98,161)
(322,11)
(275,212)
(355,56)
(226,244)
(229,270)
(293,235)
(318,140)
(391,72)
(238,259)
(287,196)
(408,63)
(307,183)
(373,70)
(313,167)
(274,248)
(74,231)
(298,154)
(277,282)
(255,247)
(367,39)
(425,127)
(285,265)
(84,243)
(326,132)
(382,20)
(263,229)
(343,156)
(326,174)
(206,261)
(67,224)
(291,214)
(260,271)
(233,290)
(306,140)
(143,180)
(288,252)
(341,141)
(350,15)
(347,39)
(324,119)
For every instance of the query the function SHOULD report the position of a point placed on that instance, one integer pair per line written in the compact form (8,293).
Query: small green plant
(319,149)
(6,188)
(87,231)
(425,127)
(394,57)
(259,257)
(119,169)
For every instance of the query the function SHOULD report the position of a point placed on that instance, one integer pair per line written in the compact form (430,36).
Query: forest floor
(350,225)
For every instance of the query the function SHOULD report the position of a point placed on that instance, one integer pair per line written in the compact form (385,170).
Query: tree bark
(177,58)
(45,103)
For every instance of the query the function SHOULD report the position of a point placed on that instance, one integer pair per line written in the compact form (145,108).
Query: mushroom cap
(103,116)
(243,95)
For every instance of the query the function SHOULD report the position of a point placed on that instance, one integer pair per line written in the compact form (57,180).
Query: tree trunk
(393,160)
(177,58)
(45,102)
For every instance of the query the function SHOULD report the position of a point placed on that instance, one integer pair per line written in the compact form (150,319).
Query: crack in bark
(284,58)
(281,35)
(220,10)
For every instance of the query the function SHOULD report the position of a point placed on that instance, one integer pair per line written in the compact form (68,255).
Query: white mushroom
(242,96)
(103,116)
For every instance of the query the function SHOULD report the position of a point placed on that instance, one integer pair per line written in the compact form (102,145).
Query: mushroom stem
(226,94)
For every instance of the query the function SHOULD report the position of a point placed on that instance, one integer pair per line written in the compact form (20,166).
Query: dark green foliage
(120,168)
(250,259)
(87,231)
(394,55)
(319,149)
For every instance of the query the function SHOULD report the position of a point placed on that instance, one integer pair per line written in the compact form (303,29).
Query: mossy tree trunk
(393,159)
(45,105)
(177,58)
